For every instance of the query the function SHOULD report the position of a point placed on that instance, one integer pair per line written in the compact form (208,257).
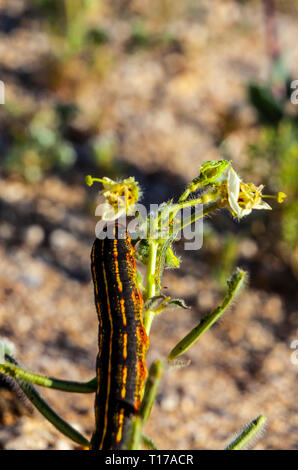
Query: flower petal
(263,205)
(233,191)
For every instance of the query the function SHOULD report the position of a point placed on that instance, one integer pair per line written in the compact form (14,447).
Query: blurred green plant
(142,37)
(104,149)
(38,145)
(97,36)
(275,155)
(67,19)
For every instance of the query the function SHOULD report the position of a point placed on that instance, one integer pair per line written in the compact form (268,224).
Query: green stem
(190,189)
(150,282)
(249,434)
(175,208)
(44,408)
(135,434)
(152,384)
(234,285)
(190,203)
(185,195)
(206,211)
(147,441)
(64,385)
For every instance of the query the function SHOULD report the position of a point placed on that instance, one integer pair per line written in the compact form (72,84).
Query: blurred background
(151,89)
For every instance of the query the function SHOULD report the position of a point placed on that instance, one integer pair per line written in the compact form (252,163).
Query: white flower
(242,197)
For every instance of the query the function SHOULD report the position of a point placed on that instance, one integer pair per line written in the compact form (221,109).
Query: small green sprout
(210,173)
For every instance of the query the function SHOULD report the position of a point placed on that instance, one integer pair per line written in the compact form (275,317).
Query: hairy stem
(152,384)
(64,385)
(151,283)
(249,434)
(44,408)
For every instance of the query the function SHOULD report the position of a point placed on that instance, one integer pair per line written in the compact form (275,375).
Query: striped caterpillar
(122,340)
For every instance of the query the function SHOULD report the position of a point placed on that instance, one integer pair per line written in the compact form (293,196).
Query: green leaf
(155,302)
(178,303)
(249,435)
(147,441)
(19,373)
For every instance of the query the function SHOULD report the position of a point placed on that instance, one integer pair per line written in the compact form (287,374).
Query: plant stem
(135,434)
(64,385)
(190,189)
(152,384)
(147,441)
(210,208)
(151,282)
(44,408)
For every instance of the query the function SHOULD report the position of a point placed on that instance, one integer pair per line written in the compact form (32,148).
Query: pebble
(34,236)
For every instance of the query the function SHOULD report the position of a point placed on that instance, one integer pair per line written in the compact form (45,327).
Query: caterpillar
(122,340)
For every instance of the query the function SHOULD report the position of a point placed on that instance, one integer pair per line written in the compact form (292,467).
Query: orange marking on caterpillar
(124,379)
(131,260)
(142,335)
(125,346)
(122,307)
(115,254)
(137,297)
(120,425)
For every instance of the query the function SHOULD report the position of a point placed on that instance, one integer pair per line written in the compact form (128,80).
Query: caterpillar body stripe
(122,340)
